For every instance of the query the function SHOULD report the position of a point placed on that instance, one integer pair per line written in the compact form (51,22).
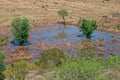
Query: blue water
(73,35)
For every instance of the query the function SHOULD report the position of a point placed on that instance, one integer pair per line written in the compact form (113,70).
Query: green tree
(63,13)
(2,65)
(20,30)
(88,27)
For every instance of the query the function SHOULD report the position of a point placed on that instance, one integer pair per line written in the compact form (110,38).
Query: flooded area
(70,40)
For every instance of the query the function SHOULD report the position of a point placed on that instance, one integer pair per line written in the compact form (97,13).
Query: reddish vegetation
(19,53)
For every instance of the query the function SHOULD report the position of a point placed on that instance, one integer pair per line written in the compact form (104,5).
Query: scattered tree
(88,27)
(63,13)
(20,30)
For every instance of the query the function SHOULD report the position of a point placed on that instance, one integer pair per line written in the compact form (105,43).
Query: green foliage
(88,27)
(63,13)
(80,68)
(2,65)
(51,58)
(86,54)
(85,67)
(4,39)
(112,61)
(20,29)
(18,70)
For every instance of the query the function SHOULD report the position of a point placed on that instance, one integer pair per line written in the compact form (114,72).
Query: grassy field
(41,12)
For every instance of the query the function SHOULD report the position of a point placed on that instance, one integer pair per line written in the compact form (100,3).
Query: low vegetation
(3,40)
(50,58)
(87,68)
(82,67)
(2,65)
(18,70)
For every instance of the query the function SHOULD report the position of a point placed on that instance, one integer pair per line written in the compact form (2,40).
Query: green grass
(81,67)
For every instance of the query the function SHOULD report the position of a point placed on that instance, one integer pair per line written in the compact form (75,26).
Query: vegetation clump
(79,68)
(118,26)
(19,70)
(88,27)
(50,58)
(2,65)
(85,67)
(20,30)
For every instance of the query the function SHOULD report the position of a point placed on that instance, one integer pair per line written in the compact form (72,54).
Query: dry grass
(45,11)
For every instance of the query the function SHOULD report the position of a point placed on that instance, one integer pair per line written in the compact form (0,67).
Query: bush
(51,58)
(88,27)
(118,26)
(20,30)
(18,70)
(79,68)
(2,66)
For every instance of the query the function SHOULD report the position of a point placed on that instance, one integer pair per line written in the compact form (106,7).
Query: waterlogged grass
(61,35)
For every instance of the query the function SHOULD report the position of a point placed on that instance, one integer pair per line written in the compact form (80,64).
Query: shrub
(88,27)
(51,58)
(118,26)
(79,69)
(63,13)
(2,66)
(20,30)
(18,70)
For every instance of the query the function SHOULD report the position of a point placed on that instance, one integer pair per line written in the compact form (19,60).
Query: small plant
(51,58)
(2,65)
(20,30)
(88,27)
(63,13)
(118,26)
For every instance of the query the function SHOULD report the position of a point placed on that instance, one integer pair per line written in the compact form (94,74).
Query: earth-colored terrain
(45,11)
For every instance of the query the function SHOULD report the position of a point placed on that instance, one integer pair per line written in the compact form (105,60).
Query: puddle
(73,36)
